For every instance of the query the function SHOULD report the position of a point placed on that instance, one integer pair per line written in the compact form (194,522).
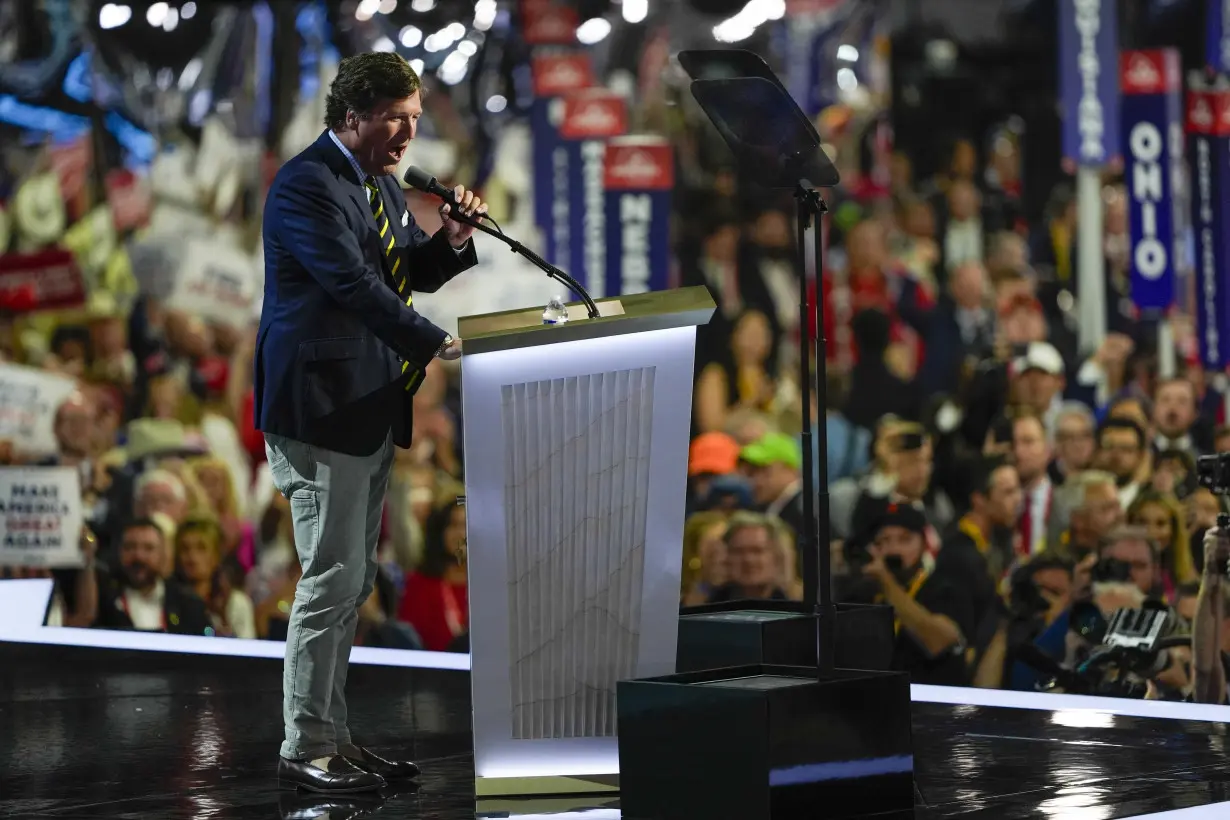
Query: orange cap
(713,454)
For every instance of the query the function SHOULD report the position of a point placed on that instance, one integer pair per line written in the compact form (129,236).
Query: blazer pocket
(330,372)
(325,350)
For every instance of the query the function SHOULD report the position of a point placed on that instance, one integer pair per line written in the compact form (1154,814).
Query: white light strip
(1052,702)
(23,602)
(1218,810)
(233,647)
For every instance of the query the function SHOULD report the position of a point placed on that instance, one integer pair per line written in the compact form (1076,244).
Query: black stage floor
(87,733)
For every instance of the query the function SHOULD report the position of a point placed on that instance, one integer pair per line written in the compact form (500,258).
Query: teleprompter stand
(810,735)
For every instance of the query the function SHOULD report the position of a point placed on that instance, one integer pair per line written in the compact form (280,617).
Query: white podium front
(576,450)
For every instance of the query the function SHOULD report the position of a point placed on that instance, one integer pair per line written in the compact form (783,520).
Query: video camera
(1131,648)
(1213,473)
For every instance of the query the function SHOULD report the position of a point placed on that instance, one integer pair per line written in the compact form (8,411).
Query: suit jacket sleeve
(314,231)
(432,262)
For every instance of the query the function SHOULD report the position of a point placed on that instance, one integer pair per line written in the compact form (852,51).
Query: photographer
(1039,603)
(933,611)
(1210,632)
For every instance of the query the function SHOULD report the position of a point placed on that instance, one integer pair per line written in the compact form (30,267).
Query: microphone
(420,180)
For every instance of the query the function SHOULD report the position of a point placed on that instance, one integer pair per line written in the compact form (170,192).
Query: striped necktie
(386,236)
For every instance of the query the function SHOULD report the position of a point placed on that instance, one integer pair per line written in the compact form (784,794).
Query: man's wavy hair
(365,79)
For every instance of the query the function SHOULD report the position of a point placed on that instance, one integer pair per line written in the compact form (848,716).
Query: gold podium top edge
(620,315)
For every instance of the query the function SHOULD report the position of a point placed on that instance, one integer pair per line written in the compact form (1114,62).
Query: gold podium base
(547,786)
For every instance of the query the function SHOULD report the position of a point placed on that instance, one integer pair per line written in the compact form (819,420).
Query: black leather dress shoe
(341,777)
(390,770)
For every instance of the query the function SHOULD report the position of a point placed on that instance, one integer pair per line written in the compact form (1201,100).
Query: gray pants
(335,503)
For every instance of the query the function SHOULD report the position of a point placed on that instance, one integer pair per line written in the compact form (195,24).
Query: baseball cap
(906,516)
(1039,356)
(773,448)
(728,492)
(712,454)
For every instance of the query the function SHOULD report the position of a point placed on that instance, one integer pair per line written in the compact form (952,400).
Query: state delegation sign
(40,517)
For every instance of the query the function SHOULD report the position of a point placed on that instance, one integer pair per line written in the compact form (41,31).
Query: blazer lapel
(358,194)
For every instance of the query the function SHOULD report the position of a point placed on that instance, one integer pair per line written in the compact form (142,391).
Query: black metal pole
(827,613)
(807,535)
(814,544)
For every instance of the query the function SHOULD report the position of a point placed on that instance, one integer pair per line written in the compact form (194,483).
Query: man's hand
(452,351)
(458,232)
(877,570)
(1216,552)
(89,546)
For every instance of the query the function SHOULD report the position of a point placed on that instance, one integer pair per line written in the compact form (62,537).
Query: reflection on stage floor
(89,733)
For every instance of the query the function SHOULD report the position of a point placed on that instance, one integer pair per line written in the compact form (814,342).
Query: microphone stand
(813,540)
(540,263)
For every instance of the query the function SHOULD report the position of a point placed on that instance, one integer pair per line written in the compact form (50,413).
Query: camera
(1213,473)
(1112,571)
(1130,648)
(1134,650)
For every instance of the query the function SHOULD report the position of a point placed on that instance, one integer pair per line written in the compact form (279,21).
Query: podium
(576,451)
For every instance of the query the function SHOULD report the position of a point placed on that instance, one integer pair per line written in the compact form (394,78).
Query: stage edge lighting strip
(22,603)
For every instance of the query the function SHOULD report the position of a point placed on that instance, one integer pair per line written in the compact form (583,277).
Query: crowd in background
(986,479)
(984,473)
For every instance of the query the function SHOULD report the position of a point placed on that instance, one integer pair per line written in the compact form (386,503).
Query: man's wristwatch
(448,340)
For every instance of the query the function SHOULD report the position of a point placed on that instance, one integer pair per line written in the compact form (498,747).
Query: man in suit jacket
(135,596)
(339,353)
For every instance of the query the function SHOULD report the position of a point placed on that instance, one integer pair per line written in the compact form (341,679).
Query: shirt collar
(354,163)
(155,596)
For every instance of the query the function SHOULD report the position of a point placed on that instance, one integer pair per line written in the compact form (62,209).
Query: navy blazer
(334,332)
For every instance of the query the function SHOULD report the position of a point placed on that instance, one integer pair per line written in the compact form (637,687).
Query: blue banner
(640,175)
(553,76)
(590,118)
(1209,155)
(1152,129)
(1089,80)
(1217,35)
(544,138)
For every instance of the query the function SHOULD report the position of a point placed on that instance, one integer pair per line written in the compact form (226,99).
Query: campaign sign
(40,517)
(215,280)
(589,118)
(1217,35)
(549,24)
(1208,128)
(1152,125)
(553,76)
(1088,81)
(639,177)
(46,280)
(29,398)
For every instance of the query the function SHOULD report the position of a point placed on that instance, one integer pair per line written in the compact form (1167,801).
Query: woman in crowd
(1163,517)
(705,566)
(198,560)
(435,601)
(743,379)
(238,534)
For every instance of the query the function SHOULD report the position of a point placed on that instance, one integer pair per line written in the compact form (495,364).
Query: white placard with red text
(215,281)
(40,517)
